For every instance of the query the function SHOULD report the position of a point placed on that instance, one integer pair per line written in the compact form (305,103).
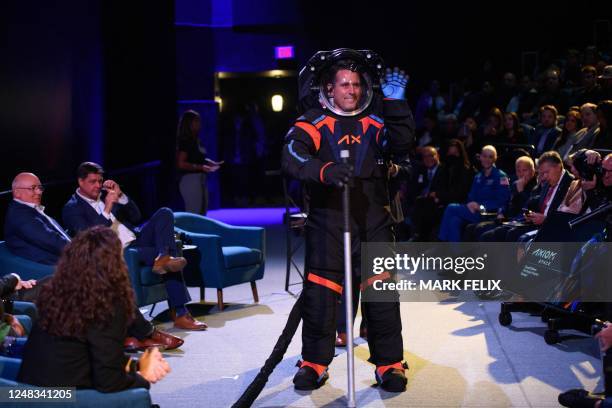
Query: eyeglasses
(39,187)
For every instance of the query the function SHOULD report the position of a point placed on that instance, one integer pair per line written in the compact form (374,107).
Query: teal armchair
(149,288)
(131,398)
(25,268)
(226,255)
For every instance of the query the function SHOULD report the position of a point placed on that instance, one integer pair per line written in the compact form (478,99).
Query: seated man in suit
(425,211)
(556,180)
(33,235)
(99,202)
(547,131)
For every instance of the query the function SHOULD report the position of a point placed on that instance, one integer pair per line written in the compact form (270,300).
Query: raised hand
(394,84)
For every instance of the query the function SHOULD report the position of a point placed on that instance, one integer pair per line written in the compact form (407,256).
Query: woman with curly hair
(84,312)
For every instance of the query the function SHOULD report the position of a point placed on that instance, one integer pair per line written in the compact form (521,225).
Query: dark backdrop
(86,80)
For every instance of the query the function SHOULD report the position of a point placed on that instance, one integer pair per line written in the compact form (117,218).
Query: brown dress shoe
(132,344)
(169,263)
(169,341)
(341,340)
(187,322)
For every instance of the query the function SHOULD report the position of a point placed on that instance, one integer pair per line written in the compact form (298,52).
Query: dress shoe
(169,263)
(168,340)
(187,322)
(341,340)
(132,344)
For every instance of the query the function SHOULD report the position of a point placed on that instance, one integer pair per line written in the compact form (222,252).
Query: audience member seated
(605,81)
(578,398)
(10,327)
(429,134)
(33,235)
(492,129)
(467,136)
(490,191)
(590,90)
(585,193)
(520,192)
(512,131)
(556,181)
(569,134)
(85,310)
(90,206)
(547,132)
(527,99)
(441,184)
(507,90)
(551,92)
(586,136)
(604,115)
(429,104)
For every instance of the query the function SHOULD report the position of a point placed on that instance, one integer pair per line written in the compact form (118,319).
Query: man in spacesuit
(347,112)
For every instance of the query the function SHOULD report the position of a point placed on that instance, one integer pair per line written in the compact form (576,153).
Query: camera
(586,170)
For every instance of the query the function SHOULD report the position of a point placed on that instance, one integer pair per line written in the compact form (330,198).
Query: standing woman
(84,311)
(192,163)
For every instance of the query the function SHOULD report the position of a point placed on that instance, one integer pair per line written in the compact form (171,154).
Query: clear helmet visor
(349,95)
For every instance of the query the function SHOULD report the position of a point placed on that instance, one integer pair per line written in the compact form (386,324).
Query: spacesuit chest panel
(359,136)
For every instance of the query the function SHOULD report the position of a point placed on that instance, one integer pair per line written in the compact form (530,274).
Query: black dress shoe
(578,398)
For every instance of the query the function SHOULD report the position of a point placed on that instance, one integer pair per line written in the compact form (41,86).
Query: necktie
(546,199)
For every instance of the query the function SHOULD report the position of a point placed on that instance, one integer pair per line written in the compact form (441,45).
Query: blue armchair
(25,268)
(131,398)
(149,288)
(226,255)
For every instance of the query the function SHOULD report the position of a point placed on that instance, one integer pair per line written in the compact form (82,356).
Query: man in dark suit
(427,180)
(99,202)
(556,181)
(547,132)
(33,235)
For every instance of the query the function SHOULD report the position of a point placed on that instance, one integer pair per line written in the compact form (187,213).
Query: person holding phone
(102,202)
(192,163)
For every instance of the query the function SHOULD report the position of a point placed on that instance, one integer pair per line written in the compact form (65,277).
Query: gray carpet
(459,355)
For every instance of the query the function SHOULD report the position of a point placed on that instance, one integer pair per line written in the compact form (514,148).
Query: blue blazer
(30,235)
(78,215)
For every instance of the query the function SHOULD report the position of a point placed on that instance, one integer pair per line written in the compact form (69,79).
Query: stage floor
(459,355)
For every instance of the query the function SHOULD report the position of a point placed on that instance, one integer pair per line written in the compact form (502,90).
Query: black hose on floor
(280,348)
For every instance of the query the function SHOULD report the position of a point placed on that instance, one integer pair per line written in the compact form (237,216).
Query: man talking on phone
(102,202)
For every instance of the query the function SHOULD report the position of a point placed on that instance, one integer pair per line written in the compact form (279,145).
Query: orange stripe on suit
(312,132)
(325,282)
